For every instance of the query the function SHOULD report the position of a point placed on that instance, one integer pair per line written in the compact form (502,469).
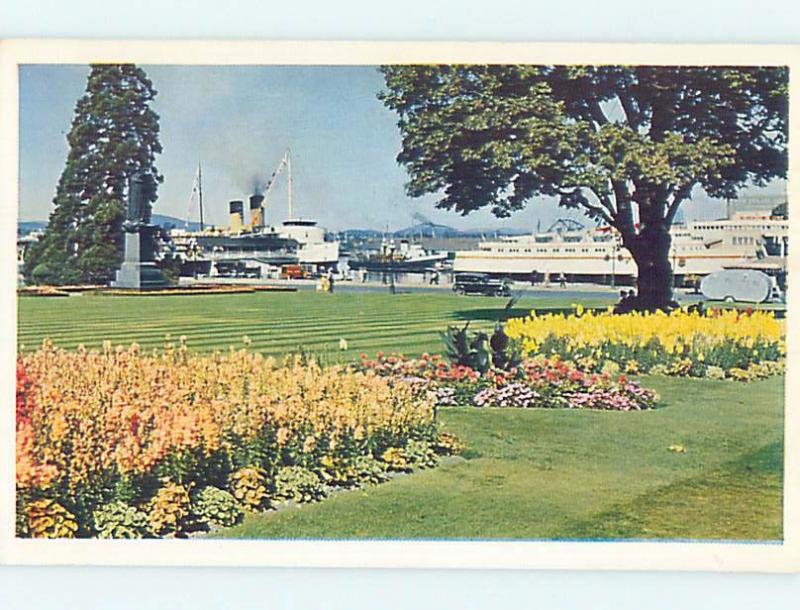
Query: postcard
(472,305)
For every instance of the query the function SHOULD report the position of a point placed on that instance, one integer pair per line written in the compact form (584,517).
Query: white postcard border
(627,555)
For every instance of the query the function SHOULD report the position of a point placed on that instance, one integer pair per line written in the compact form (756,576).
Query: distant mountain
(432,230)
(428,229)
(170,222)
(29,226)
(167,222)
(360,234)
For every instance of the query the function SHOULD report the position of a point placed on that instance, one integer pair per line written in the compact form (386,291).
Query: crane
(285,163)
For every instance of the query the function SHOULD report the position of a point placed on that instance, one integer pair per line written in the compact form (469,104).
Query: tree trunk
(650,250)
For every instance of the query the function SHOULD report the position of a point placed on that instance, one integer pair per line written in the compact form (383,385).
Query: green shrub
(369,470)
(421,454)
(715,372)
(215,506)
(298,484)
(121,520)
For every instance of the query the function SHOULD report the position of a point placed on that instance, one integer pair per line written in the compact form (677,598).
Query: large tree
(626,144)
(114,133)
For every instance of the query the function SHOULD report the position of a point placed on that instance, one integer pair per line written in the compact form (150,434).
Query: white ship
(580,254)
(255,248)
(316,247)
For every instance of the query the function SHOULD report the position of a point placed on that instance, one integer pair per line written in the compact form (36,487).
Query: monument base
(135,274)
(139,276)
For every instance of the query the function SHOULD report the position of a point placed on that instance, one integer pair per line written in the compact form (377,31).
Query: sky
(238,120)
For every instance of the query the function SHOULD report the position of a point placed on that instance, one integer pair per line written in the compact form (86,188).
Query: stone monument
(139,270)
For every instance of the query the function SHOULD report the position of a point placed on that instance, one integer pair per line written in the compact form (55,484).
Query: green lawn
(580,474)
(276,323)
(527,474)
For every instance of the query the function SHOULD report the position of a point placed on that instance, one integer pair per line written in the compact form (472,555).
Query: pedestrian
(562,280)
(330,280)
(533,278)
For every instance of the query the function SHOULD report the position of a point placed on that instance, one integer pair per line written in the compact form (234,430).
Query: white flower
(342,344)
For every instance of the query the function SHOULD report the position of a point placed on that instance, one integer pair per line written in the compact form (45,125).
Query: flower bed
(740,345)
(118,443)
(537,383)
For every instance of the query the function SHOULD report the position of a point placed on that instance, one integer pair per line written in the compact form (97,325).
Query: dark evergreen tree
(625,144)
(114,133)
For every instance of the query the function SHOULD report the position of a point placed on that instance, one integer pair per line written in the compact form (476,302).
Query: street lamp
(392,287)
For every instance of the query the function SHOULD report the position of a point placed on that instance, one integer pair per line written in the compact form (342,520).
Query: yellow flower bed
(681,342)
(97,426)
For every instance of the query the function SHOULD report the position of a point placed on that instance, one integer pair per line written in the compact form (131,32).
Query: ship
(401,256)
(746,239)
(254,249)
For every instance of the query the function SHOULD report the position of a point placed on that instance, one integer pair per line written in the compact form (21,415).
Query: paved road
(572,292)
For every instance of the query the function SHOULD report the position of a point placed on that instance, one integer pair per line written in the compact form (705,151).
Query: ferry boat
(597,255)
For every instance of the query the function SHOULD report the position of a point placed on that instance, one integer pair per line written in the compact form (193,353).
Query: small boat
(400,257)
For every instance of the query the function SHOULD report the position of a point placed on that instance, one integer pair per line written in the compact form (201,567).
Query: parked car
(480,283)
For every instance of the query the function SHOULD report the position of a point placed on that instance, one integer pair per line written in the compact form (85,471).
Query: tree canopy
(114,133)
(627,144)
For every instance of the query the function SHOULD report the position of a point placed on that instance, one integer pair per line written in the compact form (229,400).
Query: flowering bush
(48,519)
(249,488)
(536,382)
(677,343)
(117,425)
(396,459)
(170,510)
(428,367)
(510,395)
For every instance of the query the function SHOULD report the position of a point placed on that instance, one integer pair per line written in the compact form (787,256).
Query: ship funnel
(256,211)
(236,209)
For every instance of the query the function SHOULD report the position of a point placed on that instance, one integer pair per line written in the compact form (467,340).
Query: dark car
(480,283)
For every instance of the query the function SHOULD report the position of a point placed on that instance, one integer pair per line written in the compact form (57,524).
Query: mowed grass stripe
(367,321)
(356,337)
(275,324)
(206,335)
(150,317)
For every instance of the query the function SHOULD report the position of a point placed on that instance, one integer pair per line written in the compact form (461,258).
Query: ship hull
(586,267)
(409,266)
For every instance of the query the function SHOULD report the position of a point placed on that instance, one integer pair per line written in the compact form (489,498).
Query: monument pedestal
(134,273)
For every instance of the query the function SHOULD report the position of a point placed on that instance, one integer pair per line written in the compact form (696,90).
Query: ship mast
(289,180)
(200,193)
